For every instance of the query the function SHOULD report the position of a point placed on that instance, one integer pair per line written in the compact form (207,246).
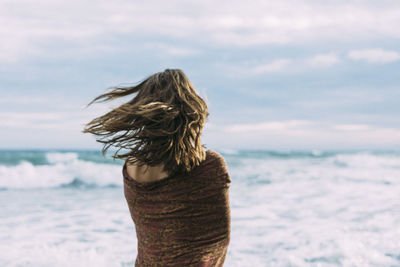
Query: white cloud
(22,99)
(31,119)
(374,55)
(56,120)
(324,60)
(302,134)
(172,50)
(352,127)
(267,126)
(274,66)
(91,27)
(65,127)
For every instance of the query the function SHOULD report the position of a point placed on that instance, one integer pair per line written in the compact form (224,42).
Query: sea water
(288,208)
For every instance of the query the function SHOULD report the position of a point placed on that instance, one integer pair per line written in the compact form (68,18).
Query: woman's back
(146,173)
(182,220)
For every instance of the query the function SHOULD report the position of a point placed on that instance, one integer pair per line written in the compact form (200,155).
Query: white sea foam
(67,168)
(318,210)
(64,169)
(66,228)
(335,211)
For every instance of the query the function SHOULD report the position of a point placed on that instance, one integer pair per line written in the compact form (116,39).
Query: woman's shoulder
(217,162)
(216,156)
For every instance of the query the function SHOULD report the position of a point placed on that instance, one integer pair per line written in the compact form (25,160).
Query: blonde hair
(161,124)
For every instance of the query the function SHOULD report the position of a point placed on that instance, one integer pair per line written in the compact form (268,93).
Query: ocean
(288,208)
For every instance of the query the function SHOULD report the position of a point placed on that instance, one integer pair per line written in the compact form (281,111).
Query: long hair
(161,124)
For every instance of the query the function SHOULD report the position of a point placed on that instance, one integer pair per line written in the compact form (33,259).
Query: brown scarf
(182,220)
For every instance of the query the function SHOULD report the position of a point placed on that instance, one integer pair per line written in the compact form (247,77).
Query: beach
(288,208)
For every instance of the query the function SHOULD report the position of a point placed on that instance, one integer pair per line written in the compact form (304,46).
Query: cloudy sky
(275,74)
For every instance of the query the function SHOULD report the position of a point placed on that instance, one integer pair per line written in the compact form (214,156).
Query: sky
(276,75)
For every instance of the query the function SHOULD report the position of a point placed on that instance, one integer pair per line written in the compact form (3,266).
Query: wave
(62,170)
(360,167)
(88,169)
(279,154)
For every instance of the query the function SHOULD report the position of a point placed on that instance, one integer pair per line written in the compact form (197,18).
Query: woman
(176,190)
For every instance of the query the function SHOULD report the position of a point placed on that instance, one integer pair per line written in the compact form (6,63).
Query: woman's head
(162,123)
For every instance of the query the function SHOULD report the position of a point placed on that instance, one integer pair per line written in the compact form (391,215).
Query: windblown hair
(161,124)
